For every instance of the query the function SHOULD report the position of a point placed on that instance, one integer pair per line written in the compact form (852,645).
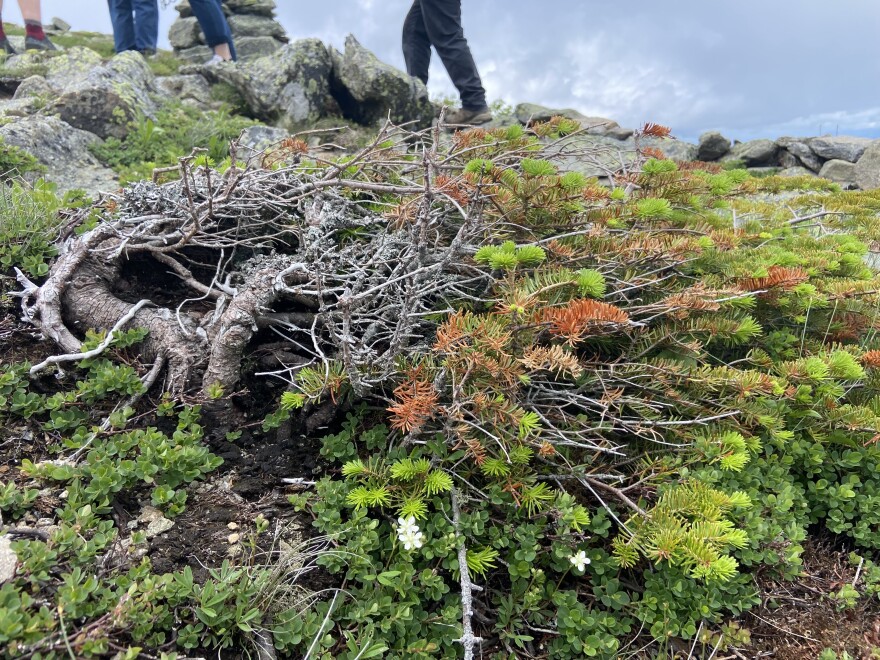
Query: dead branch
(468,640)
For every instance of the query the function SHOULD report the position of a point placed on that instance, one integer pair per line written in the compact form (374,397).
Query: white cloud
(748,68)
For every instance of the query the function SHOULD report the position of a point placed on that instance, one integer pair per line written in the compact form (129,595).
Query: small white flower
(412,541)
(407,525)
(580,560)
(408,533)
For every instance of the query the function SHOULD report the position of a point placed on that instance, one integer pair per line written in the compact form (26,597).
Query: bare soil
(798,620)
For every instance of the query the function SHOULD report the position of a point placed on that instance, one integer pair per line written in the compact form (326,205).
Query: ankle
(34,29)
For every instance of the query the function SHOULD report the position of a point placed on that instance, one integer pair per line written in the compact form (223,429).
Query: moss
(15,162)
(229,96)
(100,43)
(175,132)
(164,63)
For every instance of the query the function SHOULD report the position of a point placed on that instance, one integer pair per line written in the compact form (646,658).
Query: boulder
(292,86)
(262,7)
(712,146)
(185,33)
(72,64)
(840,171)
(258,138)
(606,154)
(251,48)
(797,170)
(841,147)
(106,98)
(786,159)
(194,55)
(58,25)
(368,90)
(34,87)
(192,87)
(254,25)
(867,171)
(800,147)
(64,150)
(754,153)
(527,113)
(620,133)
(673,149)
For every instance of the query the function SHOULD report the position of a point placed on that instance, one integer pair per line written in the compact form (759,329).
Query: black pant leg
(416,45)
(442,20)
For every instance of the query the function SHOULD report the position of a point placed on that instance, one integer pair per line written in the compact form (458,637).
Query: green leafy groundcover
(667,384)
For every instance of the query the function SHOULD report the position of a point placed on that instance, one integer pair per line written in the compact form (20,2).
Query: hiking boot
(6,46)
(469,117)
(148,52)
(32,43)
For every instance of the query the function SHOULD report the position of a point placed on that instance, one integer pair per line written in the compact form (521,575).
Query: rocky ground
(60,106)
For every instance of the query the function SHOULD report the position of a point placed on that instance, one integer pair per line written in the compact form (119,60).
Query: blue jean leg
(146,24)
(213,23)
(135,24)
(122,18)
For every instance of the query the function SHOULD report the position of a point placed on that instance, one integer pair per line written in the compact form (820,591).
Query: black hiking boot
(32,43)
(6,46)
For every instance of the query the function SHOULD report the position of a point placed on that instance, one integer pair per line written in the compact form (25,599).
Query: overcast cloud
(750,68)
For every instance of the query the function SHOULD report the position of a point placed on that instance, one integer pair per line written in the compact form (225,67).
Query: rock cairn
(254,29)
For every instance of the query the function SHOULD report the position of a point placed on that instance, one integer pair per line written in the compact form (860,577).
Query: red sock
(2,31)
(34,29)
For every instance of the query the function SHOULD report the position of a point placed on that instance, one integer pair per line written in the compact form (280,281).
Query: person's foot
(148,52)
(6,46)
(469,117)
(214,61)
(32,43)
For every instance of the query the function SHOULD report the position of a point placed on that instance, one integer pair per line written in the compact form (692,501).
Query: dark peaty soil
(798,620)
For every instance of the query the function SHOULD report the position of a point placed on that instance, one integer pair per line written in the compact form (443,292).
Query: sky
(749,68)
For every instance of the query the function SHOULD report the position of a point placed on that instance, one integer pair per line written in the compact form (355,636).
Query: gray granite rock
(672,148)
(797,170)
(185,33)
(58,25)
(251,48)
(754,153)
(192,87)
(712,146)
(867,170)
(786,159)
(840,147)
(600,155)
(527,113)
(34,87)
(194,55)
(258,138)
(292,86)
(64,150)
(620,133)
(262,7)
(254,25)
(107,97)
(369,90)
(840,171)
(800,147)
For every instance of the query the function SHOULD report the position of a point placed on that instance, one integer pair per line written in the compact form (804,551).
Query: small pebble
(233,538)
(232,525)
